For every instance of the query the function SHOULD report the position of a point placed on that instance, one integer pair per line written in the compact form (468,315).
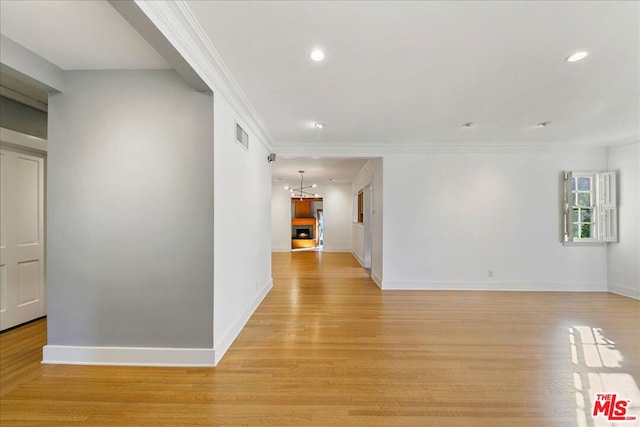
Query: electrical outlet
(490,273)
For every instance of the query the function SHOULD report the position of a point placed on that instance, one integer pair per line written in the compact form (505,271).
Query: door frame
(368,225)
(320,223)
(21,141)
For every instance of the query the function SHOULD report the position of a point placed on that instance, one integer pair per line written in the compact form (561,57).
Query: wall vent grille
(241,137)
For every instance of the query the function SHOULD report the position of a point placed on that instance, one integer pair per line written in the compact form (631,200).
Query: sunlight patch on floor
(599,377)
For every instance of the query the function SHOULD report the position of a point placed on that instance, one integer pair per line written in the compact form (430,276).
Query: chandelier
(300,192)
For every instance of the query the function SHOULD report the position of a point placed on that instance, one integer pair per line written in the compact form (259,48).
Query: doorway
(307,223)
(22,265)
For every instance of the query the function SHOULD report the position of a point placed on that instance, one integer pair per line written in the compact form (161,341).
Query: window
(582,207)
(590,211)
(241,137)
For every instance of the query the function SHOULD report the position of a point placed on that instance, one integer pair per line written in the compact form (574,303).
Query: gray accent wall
(130,211)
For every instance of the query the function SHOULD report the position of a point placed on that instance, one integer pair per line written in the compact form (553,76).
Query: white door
(21,238)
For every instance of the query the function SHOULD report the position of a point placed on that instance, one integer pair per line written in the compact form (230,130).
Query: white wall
(280,219)
(242,221)
(624,256)
(336,208)
(450,218)
(130,214)
(314,208)
(357,242)
(370,174)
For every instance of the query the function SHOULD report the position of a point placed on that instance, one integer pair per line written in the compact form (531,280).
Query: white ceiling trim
(176,21)
(379,150)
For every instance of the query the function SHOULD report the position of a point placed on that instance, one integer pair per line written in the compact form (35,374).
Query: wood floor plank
(328,348)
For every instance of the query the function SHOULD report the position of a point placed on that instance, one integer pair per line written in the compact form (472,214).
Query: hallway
(328,348)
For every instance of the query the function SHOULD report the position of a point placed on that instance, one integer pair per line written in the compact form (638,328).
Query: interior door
(21,238)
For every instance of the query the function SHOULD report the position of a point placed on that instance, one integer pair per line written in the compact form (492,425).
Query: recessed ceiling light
(318,125)
(577,56)
(317,55)
(542,124)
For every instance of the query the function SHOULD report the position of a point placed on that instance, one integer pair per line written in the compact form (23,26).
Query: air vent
(242,137)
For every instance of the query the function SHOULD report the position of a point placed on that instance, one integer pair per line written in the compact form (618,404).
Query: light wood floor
(328,348)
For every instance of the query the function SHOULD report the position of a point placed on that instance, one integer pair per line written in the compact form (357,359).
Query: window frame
(593,199)
(603,225)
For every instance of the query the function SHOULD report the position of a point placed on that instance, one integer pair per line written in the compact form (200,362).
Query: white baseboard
(624,291)
(128,356)
(376,279)
(357,257)
(495,286)
(222,345)
(150,356)
(280,249)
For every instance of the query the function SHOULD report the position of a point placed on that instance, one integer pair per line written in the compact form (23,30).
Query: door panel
(22,242)
(28,195)
(28,282)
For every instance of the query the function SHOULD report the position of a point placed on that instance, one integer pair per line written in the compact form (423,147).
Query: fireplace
(302,232)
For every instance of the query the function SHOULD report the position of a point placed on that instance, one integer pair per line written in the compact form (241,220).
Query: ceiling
(396,73)
(78,35)
(317,171)
(409,73)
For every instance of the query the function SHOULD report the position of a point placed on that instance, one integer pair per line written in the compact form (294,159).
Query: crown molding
(178,24)
(627,142)
(380,149)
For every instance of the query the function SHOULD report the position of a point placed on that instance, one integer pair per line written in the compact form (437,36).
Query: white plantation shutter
(608,189)
(608,209)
